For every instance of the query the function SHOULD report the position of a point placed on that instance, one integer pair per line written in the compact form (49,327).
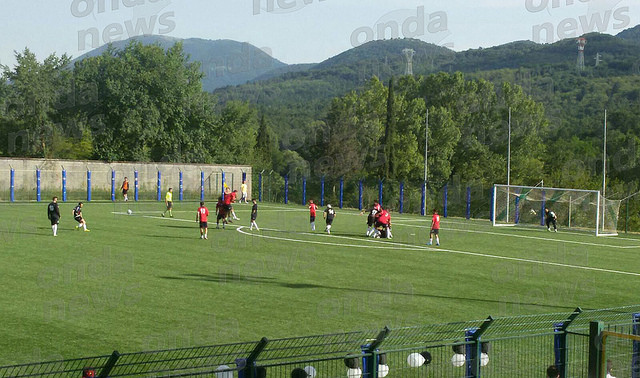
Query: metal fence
(519,346)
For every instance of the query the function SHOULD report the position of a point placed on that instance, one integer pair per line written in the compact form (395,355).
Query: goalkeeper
(550,218)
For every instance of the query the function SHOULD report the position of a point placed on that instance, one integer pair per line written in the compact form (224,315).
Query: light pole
(426,155)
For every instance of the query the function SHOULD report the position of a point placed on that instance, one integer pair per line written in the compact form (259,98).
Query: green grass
(143,282)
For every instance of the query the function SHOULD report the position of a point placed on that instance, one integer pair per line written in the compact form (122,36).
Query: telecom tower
(581,42)
(409,53)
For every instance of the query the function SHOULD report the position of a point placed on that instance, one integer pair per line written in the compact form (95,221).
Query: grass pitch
(143,282)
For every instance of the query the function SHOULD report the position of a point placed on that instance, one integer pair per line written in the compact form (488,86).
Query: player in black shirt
(328,215)
(551,218)
(254,215)
(77,215)
(53,213)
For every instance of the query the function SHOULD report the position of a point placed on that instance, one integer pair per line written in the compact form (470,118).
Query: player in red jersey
(312,214)
(435,228)
(201,217)
(383,224)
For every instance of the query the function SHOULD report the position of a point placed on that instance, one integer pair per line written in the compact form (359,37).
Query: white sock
(55,229)
(313,226)
(84,226)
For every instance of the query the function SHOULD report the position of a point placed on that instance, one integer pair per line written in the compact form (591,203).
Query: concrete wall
(51,178)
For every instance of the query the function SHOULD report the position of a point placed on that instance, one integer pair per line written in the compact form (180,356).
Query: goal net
(576,209)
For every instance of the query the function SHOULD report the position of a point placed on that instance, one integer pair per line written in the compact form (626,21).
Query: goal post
(576,209)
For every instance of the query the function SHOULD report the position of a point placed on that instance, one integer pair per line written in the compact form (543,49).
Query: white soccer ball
(415,360)
(532,212)
(383,370)
(354,373)
(129,212)
(484,359)
(311,371)
(458,360)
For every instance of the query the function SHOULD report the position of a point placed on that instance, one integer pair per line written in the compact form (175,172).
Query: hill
(224,62)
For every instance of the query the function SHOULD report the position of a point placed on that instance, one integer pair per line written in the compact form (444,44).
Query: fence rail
(519,346)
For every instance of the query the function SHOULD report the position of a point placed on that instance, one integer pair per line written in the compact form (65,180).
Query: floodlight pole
(604,167)
(426,154)
(508,163)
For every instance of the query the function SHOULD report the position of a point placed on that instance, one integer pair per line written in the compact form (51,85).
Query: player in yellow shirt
(243,190)
(168,200)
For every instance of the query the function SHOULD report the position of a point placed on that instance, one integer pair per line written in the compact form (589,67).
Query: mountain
(224,62)
(632,34)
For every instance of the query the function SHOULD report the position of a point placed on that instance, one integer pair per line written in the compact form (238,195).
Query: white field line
(525,237)
(441,250)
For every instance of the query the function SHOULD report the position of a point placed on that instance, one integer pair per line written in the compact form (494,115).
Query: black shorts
(312,218)
(254,216)
(203,225)
(435,231)
(54,220)
(169,205)
(78,219)
(227,207)
(383,225)
(371,220)
(124,192)
(329,221)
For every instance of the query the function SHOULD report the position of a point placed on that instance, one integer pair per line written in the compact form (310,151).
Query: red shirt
(384,217)
(227,199)
(377,207)
(312,209)
(233,196)
(203,213)
(435,222)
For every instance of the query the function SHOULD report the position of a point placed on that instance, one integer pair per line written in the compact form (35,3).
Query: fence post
(561,351)
(247,366)
(542,206)
(360,190)
(260,186)
(423,199)
(635,357)
(88,185)
(224,183)
(445,200)
(401,197)
(474,349)
(304,190)
(113,185)
(340,202)
(370,360)
(12,192)
(159,185)
(380,190)
(111,363)
(491,207)
(322,191)
(38,191)
(595,332)
(136,185)
(181,187)
(626,222)
(201,185)
(286,189)
(468,214)
(64,185)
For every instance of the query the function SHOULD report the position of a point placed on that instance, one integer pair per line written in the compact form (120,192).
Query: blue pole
(88,185)
(12,193)
(471,354)
(380,188)
(341,191)
(64,185)
(260,187)
(559,347)
(360,190)
(244,176)
(635,357)
(322,191)
(542,206)
(201,185)
(468,202)
(401,197)
(113,185)
(423,199)
(491,214)
(38,197)
(517,214)
(159,185)
(286,189)
(304,190)
(136,185)
(181,187)
(446,200)
(224,181)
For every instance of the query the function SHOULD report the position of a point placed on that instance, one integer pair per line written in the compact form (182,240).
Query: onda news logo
(280,6)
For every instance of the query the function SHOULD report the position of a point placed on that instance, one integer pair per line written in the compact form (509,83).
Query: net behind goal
(576,209)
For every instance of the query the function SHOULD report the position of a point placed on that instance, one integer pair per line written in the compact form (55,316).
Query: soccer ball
(532,212)
(129,212)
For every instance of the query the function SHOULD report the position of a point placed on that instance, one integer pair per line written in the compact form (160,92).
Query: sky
(303,31)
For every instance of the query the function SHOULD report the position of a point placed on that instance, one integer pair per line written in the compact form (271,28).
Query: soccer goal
(576,209)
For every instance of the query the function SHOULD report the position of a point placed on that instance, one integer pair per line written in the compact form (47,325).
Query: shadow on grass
(241,278)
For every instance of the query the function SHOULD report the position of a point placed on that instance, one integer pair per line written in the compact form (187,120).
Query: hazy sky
(303,31)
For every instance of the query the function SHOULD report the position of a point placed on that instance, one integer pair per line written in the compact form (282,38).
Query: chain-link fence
(517,346)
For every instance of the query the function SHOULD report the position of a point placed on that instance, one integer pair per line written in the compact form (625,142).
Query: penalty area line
(440,250)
